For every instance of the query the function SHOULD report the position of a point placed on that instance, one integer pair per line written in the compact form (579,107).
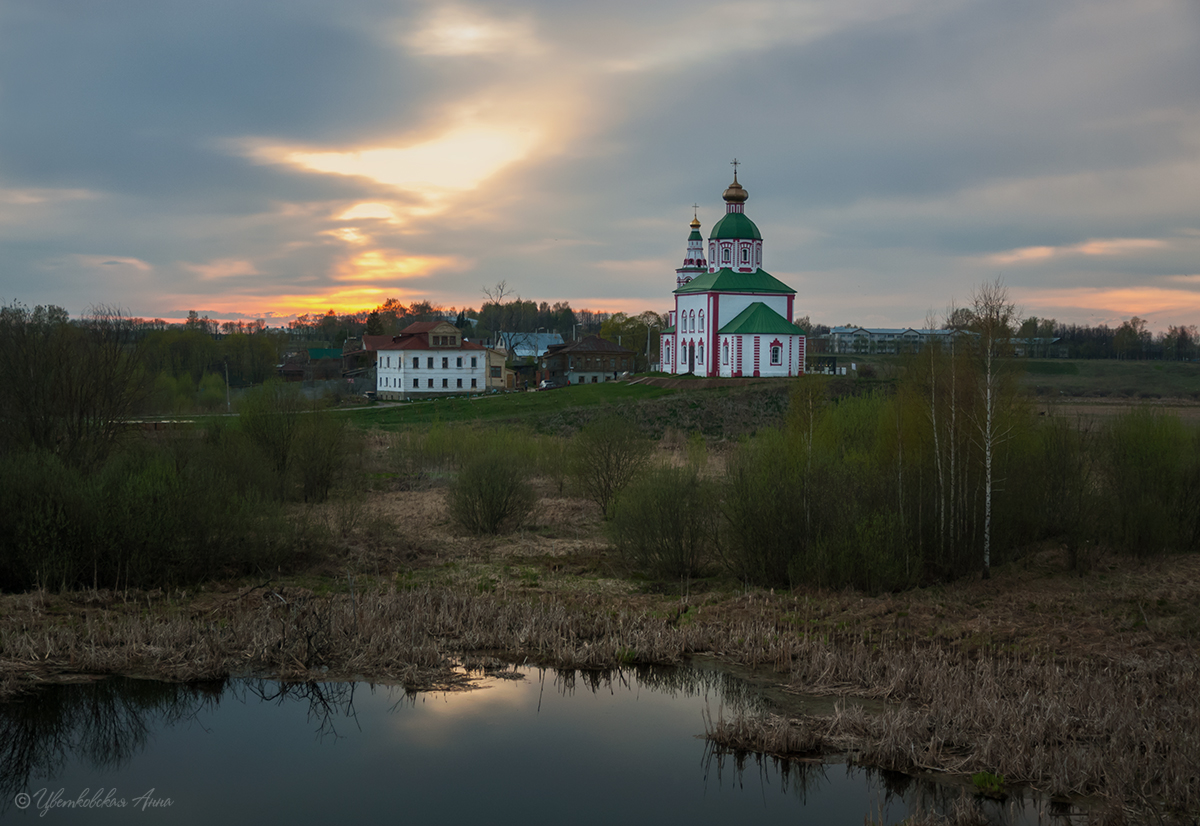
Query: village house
(589,361)
(429,358)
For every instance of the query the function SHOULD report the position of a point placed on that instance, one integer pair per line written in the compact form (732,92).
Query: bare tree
(495,295)
(994,319)
(69,387)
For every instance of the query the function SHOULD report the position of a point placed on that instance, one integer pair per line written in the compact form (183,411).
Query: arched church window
(745,255)
(725,353)
(700,352)
(702,319)
(725,255)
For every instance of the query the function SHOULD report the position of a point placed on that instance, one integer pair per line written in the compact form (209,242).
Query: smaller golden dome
(695,223)
(736,194)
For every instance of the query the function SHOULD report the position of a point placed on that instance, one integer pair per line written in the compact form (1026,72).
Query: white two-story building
(429,358)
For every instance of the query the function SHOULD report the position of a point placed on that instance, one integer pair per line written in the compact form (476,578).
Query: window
(459,364)
(430,366)
(702,319)
(416,362)
(460,382)
(725,255)
(495,373)
(445,382)
(472,382)
(445,363)
(472,362)
(416,383)
(700,352)
(745,255)
(431,380)
(725,353)
(776,354)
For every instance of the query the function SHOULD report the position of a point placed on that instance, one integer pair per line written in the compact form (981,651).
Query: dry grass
(1074,685)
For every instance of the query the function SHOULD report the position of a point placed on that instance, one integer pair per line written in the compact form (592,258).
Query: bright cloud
(383,266)
(456,31)
(368,210)
(457,160)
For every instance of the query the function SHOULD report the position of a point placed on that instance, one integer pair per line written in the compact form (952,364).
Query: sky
(276,157)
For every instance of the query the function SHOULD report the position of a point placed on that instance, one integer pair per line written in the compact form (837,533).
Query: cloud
(96,261)
(223,268)
(1094,247)
(456,31)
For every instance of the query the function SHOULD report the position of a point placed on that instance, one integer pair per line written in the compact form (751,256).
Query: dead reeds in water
(1127,731)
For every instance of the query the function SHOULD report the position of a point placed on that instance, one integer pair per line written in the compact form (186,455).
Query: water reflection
(102,724)
(599,744)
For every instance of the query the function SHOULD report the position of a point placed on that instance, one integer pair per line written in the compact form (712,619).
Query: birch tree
(994,319)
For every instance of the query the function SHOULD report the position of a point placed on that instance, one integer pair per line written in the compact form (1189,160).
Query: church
(731,318)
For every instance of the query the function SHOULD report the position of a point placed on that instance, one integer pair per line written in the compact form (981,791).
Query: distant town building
(589,361)
(731,317)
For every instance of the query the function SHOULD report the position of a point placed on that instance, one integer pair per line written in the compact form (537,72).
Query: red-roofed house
(429,358)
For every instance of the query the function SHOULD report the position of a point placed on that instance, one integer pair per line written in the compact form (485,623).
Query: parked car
(551,384)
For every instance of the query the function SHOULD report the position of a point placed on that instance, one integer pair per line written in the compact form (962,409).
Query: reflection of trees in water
(326,701)
(673,681)
(102,724)
(798,778)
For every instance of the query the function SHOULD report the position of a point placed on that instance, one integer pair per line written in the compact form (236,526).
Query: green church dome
(735,225)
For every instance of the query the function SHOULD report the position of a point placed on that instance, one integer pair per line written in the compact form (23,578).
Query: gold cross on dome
(735,163)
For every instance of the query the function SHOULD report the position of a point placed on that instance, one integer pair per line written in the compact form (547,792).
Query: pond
(524,746)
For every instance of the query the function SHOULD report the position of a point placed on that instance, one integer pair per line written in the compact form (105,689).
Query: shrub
(270,417)
(320,452)
(665,523)
(492,493)
(1152,467)
(605,457)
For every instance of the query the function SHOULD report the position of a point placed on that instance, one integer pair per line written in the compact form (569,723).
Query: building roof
(421,342)
(318,353)
(522,345)
(375,342)
(591,344)
(422,327)
(727,281)
(760,319)
(735,225)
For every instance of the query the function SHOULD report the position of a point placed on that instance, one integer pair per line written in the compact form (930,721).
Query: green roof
(735,225)
(695,236)
(761,319)
(726,280)
(666,330)
(318,353)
